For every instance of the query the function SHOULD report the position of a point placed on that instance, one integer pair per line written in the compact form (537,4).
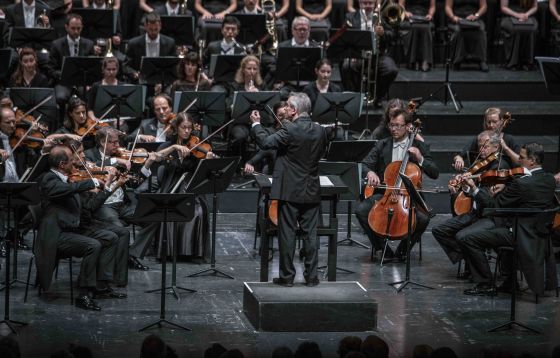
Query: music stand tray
(351,44)
(156,70)
(349,150)
(164,208)
(253,27)
(213,176)
(35,37)
(223,67)
(129,101)
(98,23)
(209,109)
(345,107)
(12,196)
(180,28)
(81,71)
(297,63)
(246,102)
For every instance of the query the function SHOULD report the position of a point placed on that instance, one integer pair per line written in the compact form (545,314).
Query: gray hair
(300,102)
(493,138)
(300,20)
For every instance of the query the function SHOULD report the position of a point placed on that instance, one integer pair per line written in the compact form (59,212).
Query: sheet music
(325,181)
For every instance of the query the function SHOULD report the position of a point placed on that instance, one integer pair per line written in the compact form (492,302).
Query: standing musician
(449,233)
(386,151)
(493,121)
(535,190)
(300,145)
(386,69)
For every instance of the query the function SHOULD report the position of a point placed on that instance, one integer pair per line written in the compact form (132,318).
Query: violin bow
(38,105)
(133,146)
(104,152)
(97,121)
(81,161)
(211,135)
(24,136)
(274,114)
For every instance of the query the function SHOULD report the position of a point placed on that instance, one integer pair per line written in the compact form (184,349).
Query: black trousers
(387,72)
(289,214)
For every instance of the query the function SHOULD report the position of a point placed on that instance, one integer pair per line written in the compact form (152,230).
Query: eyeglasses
(396,126)
(302,29)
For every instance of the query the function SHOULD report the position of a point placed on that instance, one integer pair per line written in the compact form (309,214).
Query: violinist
(534,190)
(27,73)
(155,129)
(386,151)
(493,121)
(192,237)
(77,122)
(449,233)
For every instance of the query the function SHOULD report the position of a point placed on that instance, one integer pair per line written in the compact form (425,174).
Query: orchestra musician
(300,145)
(101,4)
(110,71)
(27,73)
(211,13)
(155,129)
(76,122)
(417,30)
(374,164)
(534,190)
(317,11)
(519,27)
(190,76)
(323,83)
(171,8)
(27,13)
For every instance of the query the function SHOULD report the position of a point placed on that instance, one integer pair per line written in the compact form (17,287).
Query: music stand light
(297,63)
(98,23)
(246,102)
(156,70)
(223,67)
(180,28)
(209,108)
(81,71)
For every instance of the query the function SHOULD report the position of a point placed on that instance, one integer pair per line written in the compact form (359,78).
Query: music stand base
(163,320)
(510,325)
(211,272)
(173,290)
(350,242)
(448,90)
(405,283)
(323,268)
(12,282)
(10,323)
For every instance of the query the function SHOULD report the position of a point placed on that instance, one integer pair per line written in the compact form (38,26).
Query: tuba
(269,8)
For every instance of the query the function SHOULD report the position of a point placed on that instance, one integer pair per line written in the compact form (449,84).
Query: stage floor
(440,317)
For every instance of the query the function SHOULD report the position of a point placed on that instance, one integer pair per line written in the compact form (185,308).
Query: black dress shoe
(282,282)
(135,264)
(481,290)
(484,66)
(465,275)
(312,282)
(107,293)
(86,303)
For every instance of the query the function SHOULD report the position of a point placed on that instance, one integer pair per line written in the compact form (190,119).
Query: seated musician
(110,72)
(449,233)
(27,13)
(211,13)
(417,30)
(77,122)
(27,73)
(190,76)
(385,152)
(317,11)
(171,8)
(155,129)
(519,28)
(63,233)
(382,129)
(534,190)
(555,25)
(101,4)
(493,121)
(387,70)
(323,83)
(280,11)
(192,239)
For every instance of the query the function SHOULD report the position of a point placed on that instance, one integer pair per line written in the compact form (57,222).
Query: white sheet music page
(325,181)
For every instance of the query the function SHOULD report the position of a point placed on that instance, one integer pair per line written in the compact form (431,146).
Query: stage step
(328,307)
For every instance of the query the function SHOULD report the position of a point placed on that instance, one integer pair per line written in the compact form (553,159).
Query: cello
(389,216)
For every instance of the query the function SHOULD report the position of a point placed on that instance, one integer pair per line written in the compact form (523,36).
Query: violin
(198,149)
(500,176)
(33,139)
(137,156)
(475,168)
(28,120)
(90,127)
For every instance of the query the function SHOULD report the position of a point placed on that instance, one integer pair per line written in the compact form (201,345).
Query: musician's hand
(452,189)
(111,170)
(4,154)
(97,50)
(470,183)
(122,180)
(255,117)
(157,89)
(207,16)
(408,14)
(220,15)
(495,189)
(455,19)
(210,155)
(372,179)
(45,20)
(154,157)
(523,17)
(471,17)
(379,30)
(459,163)
(249,169)
(182,150)
(415,153)
(125,163)
(146,138)
(428,17)
(557,177)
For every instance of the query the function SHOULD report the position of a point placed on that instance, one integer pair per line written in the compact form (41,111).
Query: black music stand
(351,44)
(246,102)
(550,69)
(180,27)
(349,150)
(416,201)
(81,71)
(12,196)
(27,98)
(5,57)
(156,70)
(35,37)
(164,208)
(297,63)
(209,109)
(98,23)
(516,213)
(223,67)
(338,108)
(129,101)
(253,27)
(213,176)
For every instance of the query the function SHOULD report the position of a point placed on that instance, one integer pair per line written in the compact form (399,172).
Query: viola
(198,149)
(81,174)
(500,176)
(475,168)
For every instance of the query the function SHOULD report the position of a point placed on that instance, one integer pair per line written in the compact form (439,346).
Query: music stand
(351,44)
(180,28)
(253,27)
(223,67)
(12,196)
(213,176)
(164,208)
(156,70)
(516,213)
(246,102)
(338,108)
(297,63)
(129,101)
(5,57)
(98,23)
(416,201)
(27,98)
(550,69)
(81,71)
(209,109)
(35,37)
(349,150)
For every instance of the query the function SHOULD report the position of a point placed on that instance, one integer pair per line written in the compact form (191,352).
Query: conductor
(300,144)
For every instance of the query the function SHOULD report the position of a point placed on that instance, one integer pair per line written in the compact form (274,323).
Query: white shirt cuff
(96,182)
(255,124)
(146,172)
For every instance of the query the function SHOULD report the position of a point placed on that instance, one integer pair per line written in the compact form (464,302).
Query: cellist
(386,151)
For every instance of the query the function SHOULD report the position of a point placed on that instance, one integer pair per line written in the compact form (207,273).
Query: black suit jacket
(288,43)
(382,153)
(148,126)
(137,49)
(300,145)
(534,191)
(14,14)
(355,19)
(61,49)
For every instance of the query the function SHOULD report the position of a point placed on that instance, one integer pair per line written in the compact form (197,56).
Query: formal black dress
(417,35)
(519,38)
(319,28)
(468,43)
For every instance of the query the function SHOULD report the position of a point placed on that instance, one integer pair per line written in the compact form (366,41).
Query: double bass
(389,215)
